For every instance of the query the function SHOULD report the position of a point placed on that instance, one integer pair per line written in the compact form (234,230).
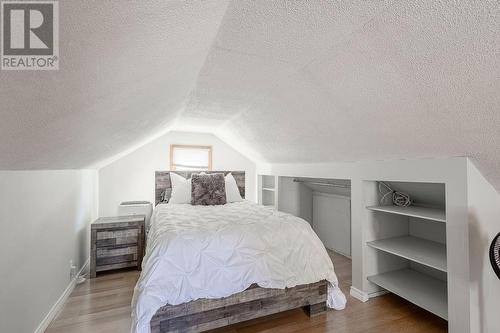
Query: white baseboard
(377,293)
(57,307)
(358,294)
(364,296)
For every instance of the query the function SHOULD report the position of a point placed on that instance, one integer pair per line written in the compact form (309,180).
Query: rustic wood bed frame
(254,302)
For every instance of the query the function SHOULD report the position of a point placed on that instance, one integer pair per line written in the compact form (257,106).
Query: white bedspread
(215,251)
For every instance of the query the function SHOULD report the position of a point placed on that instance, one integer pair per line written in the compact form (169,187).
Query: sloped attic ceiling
(319,81)
(306,81)
(126,69)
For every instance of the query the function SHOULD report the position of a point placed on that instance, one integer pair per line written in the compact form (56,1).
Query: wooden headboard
(163,184)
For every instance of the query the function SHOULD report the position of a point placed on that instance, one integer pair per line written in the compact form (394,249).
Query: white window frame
(173,165)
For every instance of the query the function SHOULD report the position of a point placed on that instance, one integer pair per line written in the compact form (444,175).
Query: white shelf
(268,181)
(419,250)
(433,214)
(425,291)
(268,189)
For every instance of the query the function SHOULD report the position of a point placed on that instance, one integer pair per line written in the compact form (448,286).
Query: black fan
(495,254)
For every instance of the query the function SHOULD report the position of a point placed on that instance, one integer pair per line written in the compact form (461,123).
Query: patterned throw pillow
(208,189)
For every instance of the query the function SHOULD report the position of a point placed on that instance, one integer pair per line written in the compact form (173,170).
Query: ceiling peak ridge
(209,50)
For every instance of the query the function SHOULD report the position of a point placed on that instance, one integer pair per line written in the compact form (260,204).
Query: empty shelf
(268,189)
(419,250)
(423,290)
(433,214)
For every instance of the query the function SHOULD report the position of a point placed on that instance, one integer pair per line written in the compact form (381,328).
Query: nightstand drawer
(116,259)
(117,237)
(104,252)
(103,268)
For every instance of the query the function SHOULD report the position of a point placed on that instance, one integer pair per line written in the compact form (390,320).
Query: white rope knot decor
(398,198)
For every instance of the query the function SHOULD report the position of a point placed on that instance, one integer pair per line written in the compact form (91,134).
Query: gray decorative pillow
(208,189)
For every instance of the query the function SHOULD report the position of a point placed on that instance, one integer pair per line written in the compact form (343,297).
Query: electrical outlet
(72,270)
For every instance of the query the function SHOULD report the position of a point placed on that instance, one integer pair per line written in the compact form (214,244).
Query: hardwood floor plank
(103,305)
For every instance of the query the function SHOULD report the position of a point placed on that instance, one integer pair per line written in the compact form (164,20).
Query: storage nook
(405,247)
(324,203)
(268,190)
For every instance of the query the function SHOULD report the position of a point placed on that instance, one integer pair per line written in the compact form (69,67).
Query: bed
(211,266)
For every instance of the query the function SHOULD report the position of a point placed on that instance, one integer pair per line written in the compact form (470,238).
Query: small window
(188,158)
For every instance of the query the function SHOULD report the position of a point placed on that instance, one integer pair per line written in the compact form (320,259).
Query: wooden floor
(103,305)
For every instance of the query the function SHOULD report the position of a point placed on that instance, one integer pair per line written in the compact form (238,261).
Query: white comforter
(215,251)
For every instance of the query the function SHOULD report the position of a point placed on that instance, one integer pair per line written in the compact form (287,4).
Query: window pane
(190,158)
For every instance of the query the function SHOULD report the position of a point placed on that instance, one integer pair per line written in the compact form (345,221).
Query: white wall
(45,217)
(295,198)
(332,221)
(451,171)
(484,224)
(132,176)
(327,209)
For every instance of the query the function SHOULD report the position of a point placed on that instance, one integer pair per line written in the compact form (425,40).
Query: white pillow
(232,191)
(181,189)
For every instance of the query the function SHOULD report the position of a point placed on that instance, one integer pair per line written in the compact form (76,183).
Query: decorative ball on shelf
(495,254)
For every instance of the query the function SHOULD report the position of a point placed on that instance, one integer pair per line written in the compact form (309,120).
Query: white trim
(378,293)
(358,294)
(338,252)
(331,195)
(363,296)
(57,307)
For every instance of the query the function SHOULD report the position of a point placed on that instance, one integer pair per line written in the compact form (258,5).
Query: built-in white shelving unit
(268,190)
(433,214)
(422,251)
(421,289)
(406,246)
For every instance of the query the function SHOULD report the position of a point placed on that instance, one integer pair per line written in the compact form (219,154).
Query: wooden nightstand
(116,242)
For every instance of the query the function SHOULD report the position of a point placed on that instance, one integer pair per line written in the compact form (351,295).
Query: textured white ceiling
(126,69)
(321,81)
(306,81)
